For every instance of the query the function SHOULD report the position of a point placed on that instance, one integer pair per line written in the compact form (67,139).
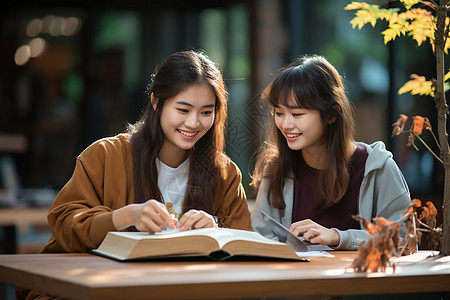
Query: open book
(214,243)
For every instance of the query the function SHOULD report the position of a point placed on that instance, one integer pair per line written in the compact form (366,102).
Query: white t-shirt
(172,183)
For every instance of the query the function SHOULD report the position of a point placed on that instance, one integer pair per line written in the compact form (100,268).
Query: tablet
(284,235)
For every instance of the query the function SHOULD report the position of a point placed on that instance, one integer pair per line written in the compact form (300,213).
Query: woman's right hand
(315,233)
(151,216)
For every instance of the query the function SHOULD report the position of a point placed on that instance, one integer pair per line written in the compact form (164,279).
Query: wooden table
(87,276)
(21,217)
(13,219)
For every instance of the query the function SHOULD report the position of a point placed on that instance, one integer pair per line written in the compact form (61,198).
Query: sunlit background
(76,71)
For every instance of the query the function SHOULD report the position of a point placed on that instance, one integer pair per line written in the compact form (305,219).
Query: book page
(225,235)
(222,235)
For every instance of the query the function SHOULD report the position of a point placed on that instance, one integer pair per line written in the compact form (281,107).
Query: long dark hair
(315,84)
(176,73)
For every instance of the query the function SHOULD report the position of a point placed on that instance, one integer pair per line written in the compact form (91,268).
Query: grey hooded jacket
(383,193)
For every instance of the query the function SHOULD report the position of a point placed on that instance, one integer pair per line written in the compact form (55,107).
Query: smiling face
(303,128)
(184,120)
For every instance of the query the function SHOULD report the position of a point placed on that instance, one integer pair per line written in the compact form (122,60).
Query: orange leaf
(381,221)
(409,210)
(433,210)
(418,123)
(368,226)
(425,214)
(416,202)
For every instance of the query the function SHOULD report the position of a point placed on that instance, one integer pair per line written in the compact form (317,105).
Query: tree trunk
(442,108)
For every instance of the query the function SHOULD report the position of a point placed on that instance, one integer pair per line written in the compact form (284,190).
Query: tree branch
(425,144)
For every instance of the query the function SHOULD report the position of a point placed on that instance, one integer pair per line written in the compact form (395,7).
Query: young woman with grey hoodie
(310,173)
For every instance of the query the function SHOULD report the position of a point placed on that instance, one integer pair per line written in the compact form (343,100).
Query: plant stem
(435,139)
(442,111)
(425,144)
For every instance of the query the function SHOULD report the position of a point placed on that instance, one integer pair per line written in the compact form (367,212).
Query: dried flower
(409,244)
(427,124)
(428,214)
(374,255)
(411,139)
(399,125)
(416,227)
(417,126)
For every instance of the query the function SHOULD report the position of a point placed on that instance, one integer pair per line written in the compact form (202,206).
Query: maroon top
(337,216)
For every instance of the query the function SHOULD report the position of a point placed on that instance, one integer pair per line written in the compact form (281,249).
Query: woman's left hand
(196,219)
(315,233)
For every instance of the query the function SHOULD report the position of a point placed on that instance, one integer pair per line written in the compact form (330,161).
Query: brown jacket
(102,182)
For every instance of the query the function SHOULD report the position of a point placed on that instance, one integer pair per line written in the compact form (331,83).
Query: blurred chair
(23,221)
